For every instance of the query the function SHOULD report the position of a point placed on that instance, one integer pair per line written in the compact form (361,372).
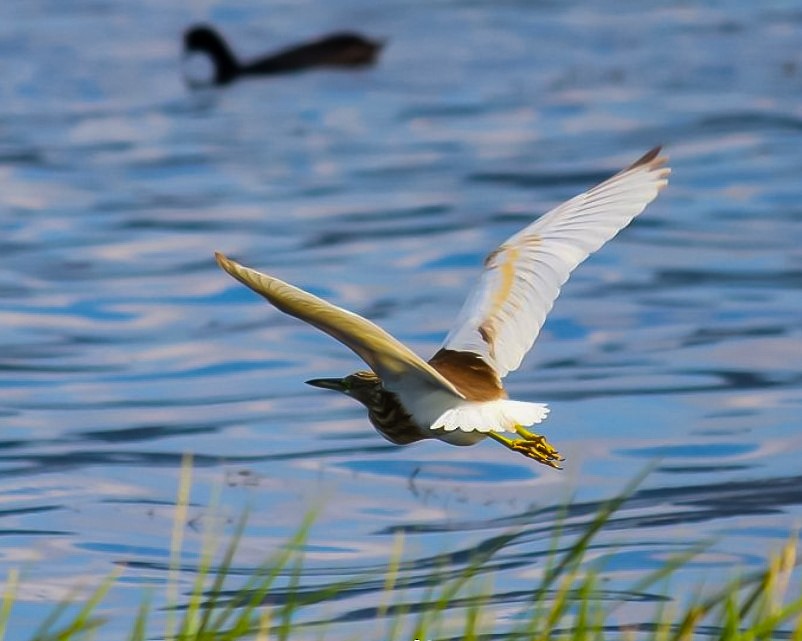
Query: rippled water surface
(122,345)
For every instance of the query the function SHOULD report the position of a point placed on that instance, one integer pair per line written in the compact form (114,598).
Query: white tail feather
(491,416)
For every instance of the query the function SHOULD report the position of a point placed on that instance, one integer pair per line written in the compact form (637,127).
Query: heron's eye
(347,384)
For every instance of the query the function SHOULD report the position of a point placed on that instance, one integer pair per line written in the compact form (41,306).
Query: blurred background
(123,346)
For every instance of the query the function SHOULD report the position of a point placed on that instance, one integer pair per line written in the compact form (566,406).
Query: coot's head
(204,40)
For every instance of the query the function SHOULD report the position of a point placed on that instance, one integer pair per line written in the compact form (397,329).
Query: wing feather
(505,311)
(394,362)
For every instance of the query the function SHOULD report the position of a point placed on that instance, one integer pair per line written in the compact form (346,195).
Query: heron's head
(364,386)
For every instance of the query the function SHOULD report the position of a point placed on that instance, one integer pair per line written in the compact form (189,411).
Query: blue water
(123,346)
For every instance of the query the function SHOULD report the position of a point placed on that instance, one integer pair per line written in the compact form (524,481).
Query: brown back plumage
(470,374)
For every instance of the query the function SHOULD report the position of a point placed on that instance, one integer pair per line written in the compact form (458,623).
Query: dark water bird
(345,49)
(457,396)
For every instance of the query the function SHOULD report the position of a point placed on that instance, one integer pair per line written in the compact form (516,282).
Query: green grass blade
(577,551)
(176,544)
(84,620)
(9,594)
(139,631)
(258,585)
(291,604)
(221,573)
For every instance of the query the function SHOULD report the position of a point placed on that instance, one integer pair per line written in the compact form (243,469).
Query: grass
(564,604)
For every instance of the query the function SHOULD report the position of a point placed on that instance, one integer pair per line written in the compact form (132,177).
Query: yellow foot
(532,446)
(538,449)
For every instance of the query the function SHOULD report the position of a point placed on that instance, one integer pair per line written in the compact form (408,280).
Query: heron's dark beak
(335,384)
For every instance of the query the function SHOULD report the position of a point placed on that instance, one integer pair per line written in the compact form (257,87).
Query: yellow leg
(531,445)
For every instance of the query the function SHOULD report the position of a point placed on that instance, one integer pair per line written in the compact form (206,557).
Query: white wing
(503,314)
(398,366)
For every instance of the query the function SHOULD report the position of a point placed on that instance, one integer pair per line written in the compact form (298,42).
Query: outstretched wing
(503,314)
(394,362)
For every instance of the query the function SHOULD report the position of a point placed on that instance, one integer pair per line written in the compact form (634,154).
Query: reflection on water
(122,346)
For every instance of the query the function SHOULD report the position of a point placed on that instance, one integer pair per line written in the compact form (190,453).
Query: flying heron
(457,396)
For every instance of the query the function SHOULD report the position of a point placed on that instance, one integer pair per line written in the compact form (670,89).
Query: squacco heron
(457,396)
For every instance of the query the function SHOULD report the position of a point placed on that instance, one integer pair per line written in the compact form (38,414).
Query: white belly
(458,437)
(460,422)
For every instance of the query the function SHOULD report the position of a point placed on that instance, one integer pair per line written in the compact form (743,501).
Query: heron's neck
(392,420)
